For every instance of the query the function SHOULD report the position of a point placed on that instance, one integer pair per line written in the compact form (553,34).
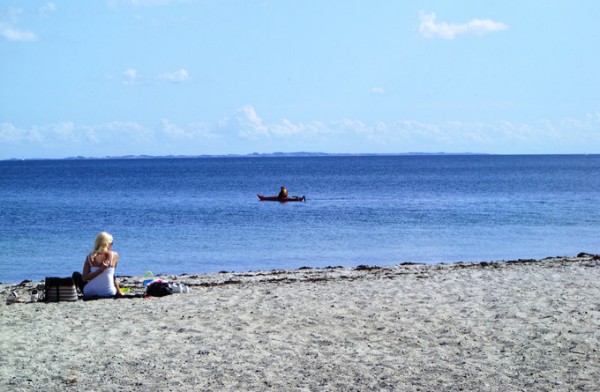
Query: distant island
(251,155)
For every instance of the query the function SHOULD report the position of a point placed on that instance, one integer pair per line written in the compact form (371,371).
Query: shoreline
(136,279)
(510,325)
(233,277)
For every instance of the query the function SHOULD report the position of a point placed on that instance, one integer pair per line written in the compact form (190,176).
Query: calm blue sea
(202,215)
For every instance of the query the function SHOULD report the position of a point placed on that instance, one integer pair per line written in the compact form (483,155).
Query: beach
(519,325)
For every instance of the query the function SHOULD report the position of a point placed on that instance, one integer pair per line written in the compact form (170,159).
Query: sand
(506,326)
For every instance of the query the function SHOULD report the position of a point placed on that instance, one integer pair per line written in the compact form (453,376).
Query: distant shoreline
(299,154)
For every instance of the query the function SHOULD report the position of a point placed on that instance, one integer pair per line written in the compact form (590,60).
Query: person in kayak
(282,194)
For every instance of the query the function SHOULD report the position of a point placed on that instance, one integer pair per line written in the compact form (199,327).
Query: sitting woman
(98,278)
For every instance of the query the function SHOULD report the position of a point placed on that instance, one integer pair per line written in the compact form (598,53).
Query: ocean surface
(202,215)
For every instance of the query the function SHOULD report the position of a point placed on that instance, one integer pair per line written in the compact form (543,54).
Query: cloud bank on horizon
(160,77)
(169,138)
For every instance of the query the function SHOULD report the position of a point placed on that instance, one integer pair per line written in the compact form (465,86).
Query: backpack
(158,289)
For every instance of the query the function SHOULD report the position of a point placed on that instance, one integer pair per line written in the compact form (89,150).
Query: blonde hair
(103,240)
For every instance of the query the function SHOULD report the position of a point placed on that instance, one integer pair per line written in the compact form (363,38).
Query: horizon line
(280,155)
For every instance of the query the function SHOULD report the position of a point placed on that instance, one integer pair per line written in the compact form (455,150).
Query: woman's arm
(86,270)
(87,275)
(114,264)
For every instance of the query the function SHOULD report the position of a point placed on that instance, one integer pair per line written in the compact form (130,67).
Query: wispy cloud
(113,4)
(179,76)
(451,136)
(117,133)
(16,35)
(148,2)
(70,132)
(47,9)
(9,29)
(378,90)
(131,76)
(247,129)
(192,131)
(430,28)
(11,134)
(252,126)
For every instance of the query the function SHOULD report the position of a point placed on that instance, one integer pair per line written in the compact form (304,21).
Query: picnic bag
(60,289)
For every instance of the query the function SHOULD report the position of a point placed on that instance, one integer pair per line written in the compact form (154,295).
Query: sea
(202,215)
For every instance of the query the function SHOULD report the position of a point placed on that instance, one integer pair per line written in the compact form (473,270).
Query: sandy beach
(527,325)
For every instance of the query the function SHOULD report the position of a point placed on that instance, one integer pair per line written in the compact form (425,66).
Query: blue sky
(168,77)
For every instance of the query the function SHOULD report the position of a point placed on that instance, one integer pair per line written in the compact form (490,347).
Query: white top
(102,285)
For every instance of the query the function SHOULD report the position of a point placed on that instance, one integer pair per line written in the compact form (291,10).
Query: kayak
(275,198)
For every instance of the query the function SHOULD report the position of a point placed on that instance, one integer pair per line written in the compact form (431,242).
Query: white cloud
(120,133)
(390,132)
(11,34)
(58,132)
(114,4)
(248,130)
(378,90)
(173,130)
(179,76)
(251,124)
(72,133)
(131,76)
(10,133)
(287,128)
(354,125)
(9,30)
(140,3)
(194,131)
(429,28)
(62,131)
(47,9)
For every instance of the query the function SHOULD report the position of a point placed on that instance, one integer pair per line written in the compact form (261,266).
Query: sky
(193,77)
